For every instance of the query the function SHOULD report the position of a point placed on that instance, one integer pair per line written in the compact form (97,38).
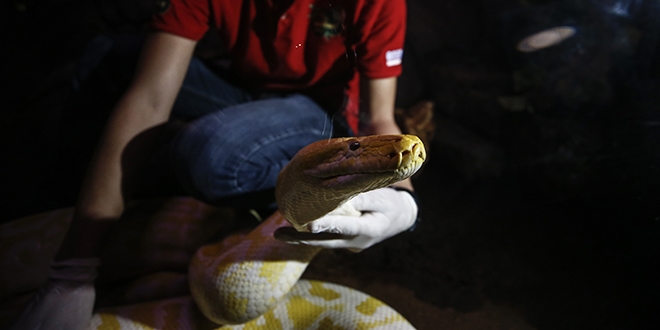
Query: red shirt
(315,47)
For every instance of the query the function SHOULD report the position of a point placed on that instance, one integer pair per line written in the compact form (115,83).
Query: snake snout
(415,153)
(419,150)
(411,159)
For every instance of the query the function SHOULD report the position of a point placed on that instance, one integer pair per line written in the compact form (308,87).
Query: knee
(214,164)
(241,149)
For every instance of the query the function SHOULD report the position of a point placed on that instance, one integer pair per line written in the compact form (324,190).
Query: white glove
(66,301)
(385,213)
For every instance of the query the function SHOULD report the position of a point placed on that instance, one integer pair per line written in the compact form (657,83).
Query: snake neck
(307,202)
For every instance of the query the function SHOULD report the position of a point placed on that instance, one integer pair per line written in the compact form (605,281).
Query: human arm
(67,298)
(378,103)
(145,105)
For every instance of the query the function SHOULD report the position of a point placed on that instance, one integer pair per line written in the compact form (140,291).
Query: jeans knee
(241,149)
(211,170)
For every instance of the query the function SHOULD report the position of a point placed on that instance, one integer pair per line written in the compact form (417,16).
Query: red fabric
(275,48)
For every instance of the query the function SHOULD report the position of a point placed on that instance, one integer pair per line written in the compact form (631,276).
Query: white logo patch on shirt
(393,57)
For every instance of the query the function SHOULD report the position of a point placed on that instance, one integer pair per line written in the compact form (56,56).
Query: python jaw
(380,159)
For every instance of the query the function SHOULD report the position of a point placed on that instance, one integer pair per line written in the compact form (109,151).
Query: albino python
(252,281)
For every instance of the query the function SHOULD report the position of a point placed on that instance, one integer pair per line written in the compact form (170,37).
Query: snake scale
(253,282)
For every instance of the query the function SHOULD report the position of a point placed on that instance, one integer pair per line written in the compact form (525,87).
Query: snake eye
(354,145)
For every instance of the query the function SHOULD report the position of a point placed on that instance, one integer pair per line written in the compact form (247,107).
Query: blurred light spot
(21,7)
(621,8)
(545,38)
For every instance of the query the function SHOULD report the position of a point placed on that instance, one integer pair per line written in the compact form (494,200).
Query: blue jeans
(236,145)
(233,144)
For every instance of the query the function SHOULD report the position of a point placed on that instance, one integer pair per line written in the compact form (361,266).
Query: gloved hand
(66,300)
(385,213)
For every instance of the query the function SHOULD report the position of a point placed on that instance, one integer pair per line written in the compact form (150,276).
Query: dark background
(542,189)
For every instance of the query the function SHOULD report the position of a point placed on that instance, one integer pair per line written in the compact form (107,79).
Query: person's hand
(66,301)
(385,212)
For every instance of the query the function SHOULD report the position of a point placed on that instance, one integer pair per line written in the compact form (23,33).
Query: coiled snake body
(253,283)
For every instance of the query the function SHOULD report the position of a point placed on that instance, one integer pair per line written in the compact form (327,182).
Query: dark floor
(549,209)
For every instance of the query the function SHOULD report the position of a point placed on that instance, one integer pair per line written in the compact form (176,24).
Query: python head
(328,172)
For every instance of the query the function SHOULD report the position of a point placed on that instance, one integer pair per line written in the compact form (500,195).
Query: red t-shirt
(315,47)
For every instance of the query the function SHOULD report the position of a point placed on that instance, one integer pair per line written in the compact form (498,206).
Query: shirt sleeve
(380,49)
(185,18)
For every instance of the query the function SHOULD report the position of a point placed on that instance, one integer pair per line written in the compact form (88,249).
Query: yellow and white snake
(252,281)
